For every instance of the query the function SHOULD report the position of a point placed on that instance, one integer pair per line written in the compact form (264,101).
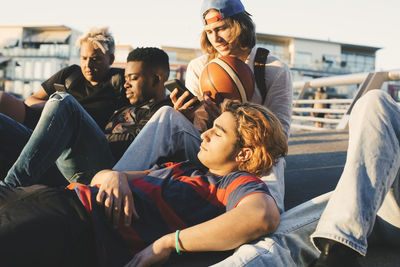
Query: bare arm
(38,99)
(255,216)
(115,194)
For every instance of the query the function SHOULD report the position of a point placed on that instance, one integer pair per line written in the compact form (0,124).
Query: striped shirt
(175,196)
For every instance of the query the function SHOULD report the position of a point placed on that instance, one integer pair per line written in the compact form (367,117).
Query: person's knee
(62,98)
(371,101)
(165,113)
(374,96)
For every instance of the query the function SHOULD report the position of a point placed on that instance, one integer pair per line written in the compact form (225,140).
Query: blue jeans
(366,195)
(66,135)
(13,137)
(168,133)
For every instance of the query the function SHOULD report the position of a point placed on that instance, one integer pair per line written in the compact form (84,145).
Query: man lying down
(173,208)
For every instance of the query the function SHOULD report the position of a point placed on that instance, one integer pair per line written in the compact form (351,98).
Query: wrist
(166,242)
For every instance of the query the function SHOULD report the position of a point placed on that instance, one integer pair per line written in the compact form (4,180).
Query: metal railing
(337,115)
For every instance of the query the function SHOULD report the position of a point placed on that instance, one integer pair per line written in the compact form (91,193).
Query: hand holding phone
(171,85)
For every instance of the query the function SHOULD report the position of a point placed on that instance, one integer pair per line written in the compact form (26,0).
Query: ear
(156,79)
(244,154)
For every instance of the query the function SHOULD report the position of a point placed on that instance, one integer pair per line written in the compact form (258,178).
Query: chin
(201,158)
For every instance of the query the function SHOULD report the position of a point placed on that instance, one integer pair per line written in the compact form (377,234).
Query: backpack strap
(259,71)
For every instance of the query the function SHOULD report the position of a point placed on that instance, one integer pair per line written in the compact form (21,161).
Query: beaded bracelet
(177,242)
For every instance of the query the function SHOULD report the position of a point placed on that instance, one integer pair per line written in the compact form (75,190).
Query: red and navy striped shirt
(175,196)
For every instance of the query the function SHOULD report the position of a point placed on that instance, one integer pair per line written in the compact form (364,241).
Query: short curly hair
(151,57)
(260,130)
(243,29)
(100,39)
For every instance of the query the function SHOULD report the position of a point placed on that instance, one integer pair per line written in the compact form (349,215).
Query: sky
(177,22)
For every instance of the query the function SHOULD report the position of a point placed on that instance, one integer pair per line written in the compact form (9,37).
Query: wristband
(177,242)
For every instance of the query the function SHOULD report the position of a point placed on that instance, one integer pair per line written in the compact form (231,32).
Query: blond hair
(99,38)
(260,130)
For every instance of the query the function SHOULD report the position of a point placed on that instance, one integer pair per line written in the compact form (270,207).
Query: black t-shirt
(101,100)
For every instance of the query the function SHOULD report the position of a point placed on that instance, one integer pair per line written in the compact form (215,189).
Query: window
(359,62)
(275,49)
(47,71)
(302,59)
(37,70)
(28,66)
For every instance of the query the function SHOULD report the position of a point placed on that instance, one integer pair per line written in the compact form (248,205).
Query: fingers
(173,95)
(180,102)
(108,205)
(100,196)
(116,208)
(189,104)
(129,210)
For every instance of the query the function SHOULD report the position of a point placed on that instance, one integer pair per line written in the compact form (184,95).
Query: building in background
(307,58)
(121,54)
(31,54)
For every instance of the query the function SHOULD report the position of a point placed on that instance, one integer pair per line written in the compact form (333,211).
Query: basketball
(227,77)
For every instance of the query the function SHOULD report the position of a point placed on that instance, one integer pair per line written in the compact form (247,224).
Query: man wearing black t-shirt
(96,86)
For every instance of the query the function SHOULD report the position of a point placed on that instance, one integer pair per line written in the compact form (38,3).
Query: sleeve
(58,77)
(280,95)
(193,73)
(242,187)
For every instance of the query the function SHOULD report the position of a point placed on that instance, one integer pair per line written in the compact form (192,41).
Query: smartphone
(59,87)
(175,83)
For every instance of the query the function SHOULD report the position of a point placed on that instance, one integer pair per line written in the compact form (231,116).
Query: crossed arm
(255,215)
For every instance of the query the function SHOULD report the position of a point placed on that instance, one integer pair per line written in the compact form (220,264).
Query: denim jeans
(169,133)
(66,135)
(364,203)
(13,137)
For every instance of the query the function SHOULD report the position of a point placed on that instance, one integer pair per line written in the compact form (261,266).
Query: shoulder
(116,75)
(67,71)
(239,178)
(198,63)
(116,71)
(273,64)
(73,67)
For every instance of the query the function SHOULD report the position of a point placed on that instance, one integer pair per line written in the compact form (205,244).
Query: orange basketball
(227,77)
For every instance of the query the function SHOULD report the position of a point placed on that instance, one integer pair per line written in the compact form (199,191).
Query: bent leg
(67,135)
(372,165)
(166,134)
